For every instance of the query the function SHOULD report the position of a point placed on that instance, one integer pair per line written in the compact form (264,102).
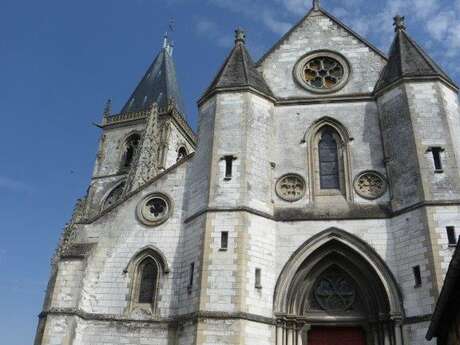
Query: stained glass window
(328,161)
(334,291)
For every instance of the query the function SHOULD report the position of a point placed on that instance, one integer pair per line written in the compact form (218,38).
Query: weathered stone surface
(90,298)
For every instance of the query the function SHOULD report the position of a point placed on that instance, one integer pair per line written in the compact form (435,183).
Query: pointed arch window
(329,160)
(146,271)
(130,147)
(148,279)
(329,169)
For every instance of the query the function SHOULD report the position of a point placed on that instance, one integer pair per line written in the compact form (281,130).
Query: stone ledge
(306,214)
(195,317)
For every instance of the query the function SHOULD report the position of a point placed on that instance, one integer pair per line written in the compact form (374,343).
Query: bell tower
(157,101)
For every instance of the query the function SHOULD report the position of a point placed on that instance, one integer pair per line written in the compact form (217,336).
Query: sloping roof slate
(408,60)
(159,85)
(239,71)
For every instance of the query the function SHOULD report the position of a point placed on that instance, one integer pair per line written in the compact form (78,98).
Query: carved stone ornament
(370,185)
(114,196)
(322,71)
(334,292)
(154,209)
(291,187)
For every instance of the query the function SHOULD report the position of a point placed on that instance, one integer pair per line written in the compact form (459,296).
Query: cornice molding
(131,118)
(282,218)
(379,92)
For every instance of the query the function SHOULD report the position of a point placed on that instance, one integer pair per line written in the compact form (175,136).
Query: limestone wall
(318,32)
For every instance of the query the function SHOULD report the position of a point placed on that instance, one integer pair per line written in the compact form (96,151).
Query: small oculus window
(154,209)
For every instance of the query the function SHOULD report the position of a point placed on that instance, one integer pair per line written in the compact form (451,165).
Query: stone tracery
(335,279)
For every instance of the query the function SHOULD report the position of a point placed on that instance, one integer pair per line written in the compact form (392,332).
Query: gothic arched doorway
(335,290)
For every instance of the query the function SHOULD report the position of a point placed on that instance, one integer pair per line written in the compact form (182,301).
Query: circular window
(154,209)
(322,72)
(370,185)
(291,187)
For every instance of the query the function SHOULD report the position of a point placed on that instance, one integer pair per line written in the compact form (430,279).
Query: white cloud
(276,26)
(266,12)
(438,27)
(14,185)
(296,6)
(425,8)
(440,24)
(209,29)
(340,12)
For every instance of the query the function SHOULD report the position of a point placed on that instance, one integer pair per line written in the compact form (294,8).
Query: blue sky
(59,62)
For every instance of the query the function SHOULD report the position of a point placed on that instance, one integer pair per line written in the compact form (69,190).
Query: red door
(336,336)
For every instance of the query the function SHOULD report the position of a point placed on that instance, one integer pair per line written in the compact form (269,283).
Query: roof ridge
(398,46)
(245,64)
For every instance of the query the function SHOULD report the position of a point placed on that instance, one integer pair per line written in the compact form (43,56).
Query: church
(318,203)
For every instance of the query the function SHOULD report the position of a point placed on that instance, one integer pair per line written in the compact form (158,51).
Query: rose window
(370,185)
(291,187)
(335,292)
(323,73)
(154,209)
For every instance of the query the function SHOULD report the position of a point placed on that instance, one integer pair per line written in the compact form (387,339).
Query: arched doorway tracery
(337,280)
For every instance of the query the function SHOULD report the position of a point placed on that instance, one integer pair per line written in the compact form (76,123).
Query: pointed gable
(239,71)
(321,31)
(159,85)
(408,60)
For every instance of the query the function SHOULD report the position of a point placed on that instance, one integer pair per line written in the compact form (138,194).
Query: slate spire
(239,71)
(408,60)
(159,84)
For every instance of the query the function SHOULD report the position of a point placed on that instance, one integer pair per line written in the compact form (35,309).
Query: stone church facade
(317,204)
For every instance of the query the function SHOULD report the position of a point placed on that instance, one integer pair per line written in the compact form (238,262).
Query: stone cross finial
(108,108)
(399,23)
(316,5)
(240,36)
